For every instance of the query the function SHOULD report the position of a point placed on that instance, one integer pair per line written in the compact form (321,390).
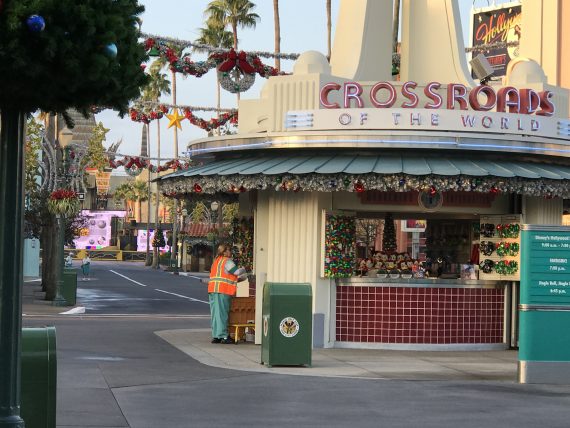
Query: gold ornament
(175,119)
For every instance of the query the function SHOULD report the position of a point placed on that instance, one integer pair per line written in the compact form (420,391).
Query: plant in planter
(382,273)
(394,273)
(64,202)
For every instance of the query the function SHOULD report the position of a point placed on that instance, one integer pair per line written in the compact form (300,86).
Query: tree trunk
(155,261)
(277,33)
(395,26)
(50,264)
(234,31)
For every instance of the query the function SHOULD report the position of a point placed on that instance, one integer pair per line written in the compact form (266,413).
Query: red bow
(236,60)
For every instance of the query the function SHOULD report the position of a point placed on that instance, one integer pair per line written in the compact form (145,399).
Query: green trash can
(39,377)
(287,324)
(69,288)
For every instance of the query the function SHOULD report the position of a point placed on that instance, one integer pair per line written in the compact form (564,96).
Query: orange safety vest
(220,281)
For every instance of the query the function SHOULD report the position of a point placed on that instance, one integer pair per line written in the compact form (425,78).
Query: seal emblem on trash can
(289,327)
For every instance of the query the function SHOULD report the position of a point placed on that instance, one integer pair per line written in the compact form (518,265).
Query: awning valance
(395,172)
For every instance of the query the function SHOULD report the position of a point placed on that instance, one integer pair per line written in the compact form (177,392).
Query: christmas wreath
(487,248)
(487,265)
(488,230)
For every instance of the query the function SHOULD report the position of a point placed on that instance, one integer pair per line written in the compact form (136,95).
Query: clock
(430,200)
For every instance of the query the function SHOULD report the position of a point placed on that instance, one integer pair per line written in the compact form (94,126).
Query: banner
(102,180)
(497,24)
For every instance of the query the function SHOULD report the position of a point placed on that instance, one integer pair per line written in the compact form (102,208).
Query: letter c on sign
(325,95)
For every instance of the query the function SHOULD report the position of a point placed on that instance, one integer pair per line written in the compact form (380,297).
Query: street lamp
(182,251)
(65,137)
(215,206)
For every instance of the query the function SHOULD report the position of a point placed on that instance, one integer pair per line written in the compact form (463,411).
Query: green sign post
(544,343)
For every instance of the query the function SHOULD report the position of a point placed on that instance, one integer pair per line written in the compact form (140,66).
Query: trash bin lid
(288,289)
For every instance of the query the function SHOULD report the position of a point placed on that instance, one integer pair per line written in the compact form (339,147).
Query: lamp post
(182,251)
(12,128)
(214,206)
(65,137)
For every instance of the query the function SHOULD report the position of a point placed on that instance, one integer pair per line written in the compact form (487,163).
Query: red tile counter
(436,312)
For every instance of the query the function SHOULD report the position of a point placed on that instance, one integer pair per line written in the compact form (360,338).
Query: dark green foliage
(66,65)
(158,239)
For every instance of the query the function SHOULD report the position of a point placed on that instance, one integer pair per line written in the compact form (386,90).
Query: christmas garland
(506,267)
(134,164)
(245,62)
(507,249)
(242,239)
(188,44)
(213,123)
(138,115)
(339,246)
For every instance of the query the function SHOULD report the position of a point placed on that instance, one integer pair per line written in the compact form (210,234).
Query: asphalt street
(114,371)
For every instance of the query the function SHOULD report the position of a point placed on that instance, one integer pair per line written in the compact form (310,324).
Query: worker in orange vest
(222,286)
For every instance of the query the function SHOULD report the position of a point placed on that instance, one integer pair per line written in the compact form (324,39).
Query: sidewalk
(33,299)
(353,363)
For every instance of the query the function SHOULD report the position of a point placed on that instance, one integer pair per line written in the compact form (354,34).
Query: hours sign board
(545,265)
(544,310)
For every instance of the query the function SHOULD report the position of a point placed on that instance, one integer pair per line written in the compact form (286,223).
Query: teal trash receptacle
(287,324)
(39,377)
(69,286)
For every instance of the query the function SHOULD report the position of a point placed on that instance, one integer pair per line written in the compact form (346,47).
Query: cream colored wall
(537,210)
(288,246)
(363,40)
(564,52)
(539,38)
(432,46)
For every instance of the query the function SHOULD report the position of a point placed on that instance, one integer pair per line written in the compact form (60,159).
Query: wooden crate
(242,310)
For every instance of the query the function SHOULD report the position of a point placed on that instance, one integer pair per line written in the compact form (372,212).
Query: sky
(303,28)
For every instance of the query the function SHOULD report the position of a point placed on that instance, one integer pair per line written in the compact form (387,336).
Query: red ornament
(197,188)
(359,187)
(494,190)
(432,190)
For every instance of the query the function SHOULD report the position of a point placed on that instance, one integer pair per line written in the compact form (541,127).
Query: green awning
(268,165)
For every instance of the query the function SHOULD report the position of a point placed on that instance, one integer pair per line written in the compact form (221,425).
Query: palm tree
(217,36)
(277,26)
(124,193)
(395,26)
(133,191)
(329,29)
(158,85)
(232,13)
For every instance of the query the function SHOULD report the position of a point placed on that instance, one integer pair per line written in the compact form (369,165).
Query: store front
(462,165)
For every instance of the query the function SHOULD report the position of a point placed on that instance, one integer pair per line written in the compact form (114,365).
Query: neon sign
(456,96)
